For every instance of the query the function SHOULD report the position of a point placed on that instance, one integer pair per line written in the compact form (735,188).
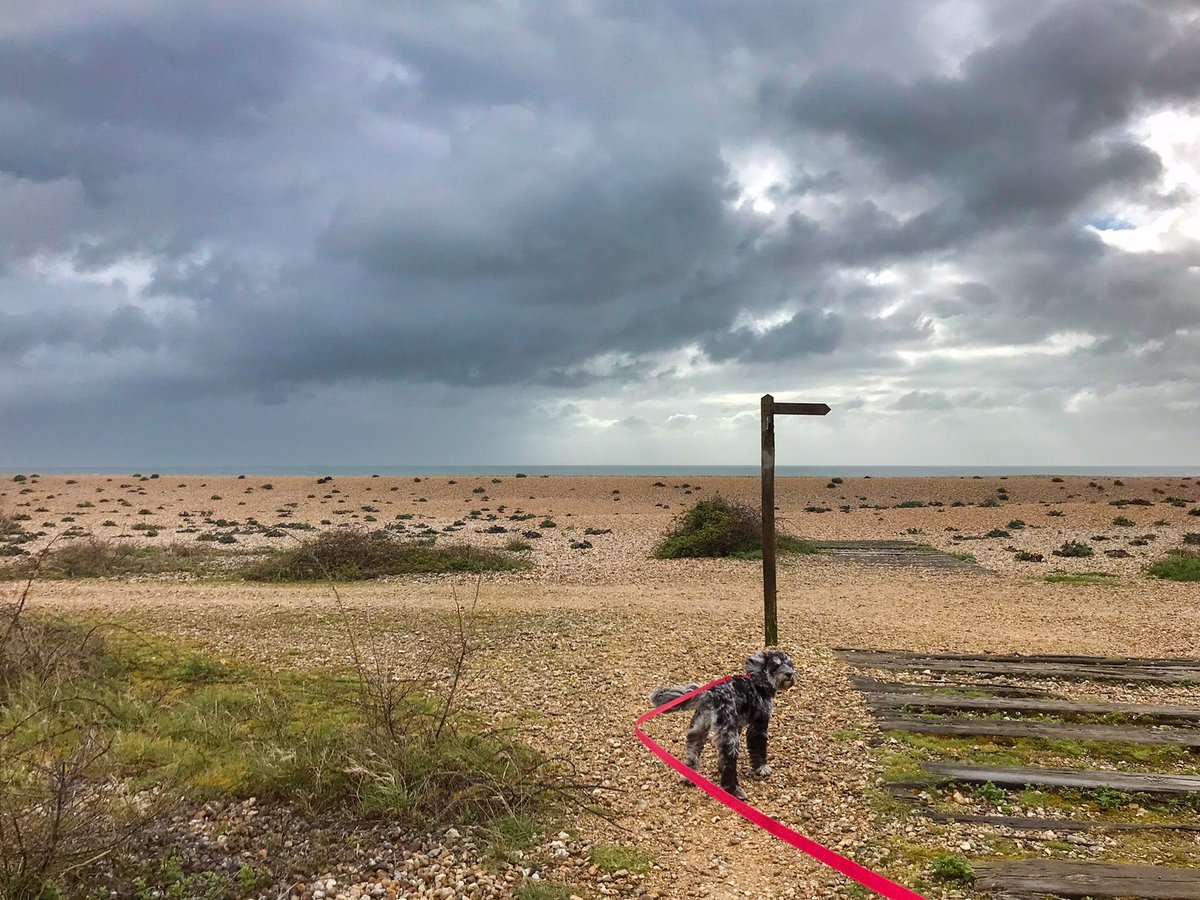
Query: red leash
(847,867)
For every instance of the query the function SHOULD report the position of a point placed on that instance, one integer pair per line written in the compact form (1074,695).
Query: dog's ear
(756,662)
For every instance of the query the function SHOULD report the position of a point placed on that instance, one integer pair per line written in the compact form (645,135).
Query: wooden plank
(1069,778)
(873,686)
(1177,674)
(916,793)
(1158,713)
(874,545)
(1079,880)
(801,409)
(967,727)
(1023,823)
(770,616)
(1151,661)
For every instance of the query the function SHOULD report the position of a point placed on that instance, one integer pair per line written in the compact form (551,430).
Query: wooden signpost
(771,409)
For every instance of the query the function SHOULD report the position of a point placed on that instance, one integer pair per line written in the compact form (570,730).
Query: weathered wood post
(769,410)
(770,620)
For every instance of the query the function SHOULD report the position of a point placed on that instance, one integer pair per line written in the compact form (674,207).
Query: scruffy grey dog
(742,703)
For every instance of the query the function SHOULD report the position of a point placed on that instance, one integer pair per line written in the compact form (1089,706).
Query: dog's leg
(756,743)
(728,739)
(696,736)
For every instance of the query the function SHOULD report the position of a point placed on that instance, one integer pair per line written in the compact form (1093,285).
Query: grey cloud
(116,74)
(123,328)
(551,198)
(1031,126)
(931,400)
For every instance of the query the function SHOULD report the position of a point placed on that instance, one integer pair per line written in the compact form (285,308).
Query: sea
(674,471)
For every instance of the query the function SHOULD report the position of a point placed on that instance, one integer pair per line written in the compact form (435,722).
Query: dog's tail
(662,695)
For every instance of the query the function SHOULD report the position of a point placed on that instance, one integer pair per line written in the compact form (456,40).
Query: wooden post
(769,410)
(770,620)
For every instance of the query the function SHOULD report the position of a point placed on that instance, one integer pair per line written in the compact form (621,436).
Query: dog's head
(776,666)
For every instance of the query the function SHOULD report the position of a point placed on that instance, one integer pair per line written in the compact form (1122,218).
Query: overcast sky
(570,232)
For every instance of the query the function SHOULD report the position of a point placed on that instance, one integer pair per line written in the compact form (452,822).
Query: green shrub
(349,554)
(953,868)
(1177,566)
(1123,522)
(613,858)
(99,558)
(1076,549)
(1081,578)
(322,742)
(722,527)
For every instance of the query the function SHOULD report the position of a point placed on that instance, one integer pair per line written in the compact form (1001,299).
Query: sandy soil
(575,645)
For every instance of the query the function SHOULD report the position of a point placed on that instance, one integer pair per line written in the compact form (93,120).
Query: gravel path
(576,662)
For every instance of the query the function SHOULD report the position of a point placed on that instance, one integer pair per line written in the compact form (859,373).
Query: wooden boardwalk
(964,726)
(936,706)
(896,553)
(1148,712)
(1083,779)
(1037,877)
(1182,671)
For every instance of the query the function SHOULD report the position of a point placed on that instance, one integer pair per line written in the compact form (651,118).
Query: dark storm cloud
(116,74)
(206,200)
(1032,126)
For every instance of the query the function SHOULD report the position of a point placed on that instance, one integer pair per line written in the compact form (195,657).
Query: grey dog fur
(744,703)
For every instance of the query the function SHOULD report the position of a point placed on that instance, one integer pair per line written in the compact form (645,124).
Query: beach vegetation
(1081,578)
(614,858)
(952,868)
(1179,565)
(1074,549)
(351,554)
(722,527)
(106,736)
(95,557)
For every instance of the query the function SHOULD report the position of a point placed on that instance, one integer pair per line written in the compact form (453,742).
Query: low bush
(722,527)
(952,868)
(349,554)
(1076,549)
(1179,565)
(82,745)
(99,558)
